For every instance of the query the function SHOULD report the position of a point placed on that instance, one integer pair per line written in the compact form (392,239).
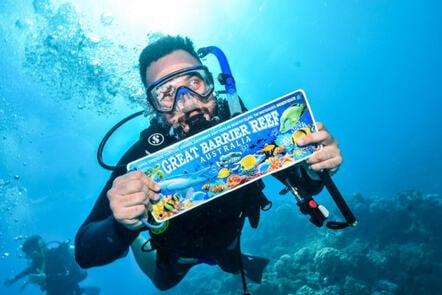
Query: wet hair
(32,243)
(162,47)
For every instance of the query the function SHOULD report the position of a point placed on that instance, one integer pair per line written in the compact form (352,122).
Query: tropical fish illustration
(199,196)
(155,173)
(267,148)
(184,181)
(263,167)
(224,172)
(248,162)
(299,134)
(229,159)
(284,140)
(291,116)
(279,150)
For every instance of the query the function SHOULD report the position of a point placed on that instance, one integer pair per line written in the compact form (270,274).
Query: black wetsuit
(207,232)
(62,272)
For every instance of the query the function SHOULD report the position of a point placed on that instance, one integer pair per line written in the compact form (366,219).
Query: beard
(197,123)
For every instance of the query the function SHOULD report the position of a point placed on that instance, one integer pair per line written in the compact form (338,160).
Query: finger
(152,196)
(151,184)
(330,164)
(132,193)
(126,206)
(142,192)
(129,216)
(132,224)
(140,176)
(324,153)
(319,137)
(327,139)
(126,214)
(134,199)
(130,176)
(326,158)
(151,189)
(323,135)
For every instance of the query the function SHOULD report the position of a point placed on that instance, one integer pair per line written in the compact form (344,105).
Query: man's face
(189,106)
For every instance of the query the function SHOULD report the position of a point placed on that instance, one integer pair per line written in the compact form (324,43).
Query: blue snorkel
(225,78)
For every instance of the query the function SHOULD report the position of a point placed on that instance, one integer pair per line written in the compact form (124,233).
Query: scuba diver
(182,101)
(53,269)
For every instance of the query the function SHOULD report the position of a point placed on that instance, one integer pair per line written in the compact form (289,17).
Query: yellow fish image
(299,134)
(291,116)
(224,172)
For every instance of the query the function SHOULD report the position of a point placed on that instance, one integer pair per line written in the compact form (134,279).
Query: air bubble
(107,18)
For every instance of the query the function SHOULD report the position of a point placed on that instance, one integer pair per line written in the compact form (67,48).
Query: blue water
(371,70)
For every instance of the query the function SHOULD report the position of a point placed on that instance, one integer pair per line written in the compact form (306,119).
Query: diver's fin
(90,290)
(254,267)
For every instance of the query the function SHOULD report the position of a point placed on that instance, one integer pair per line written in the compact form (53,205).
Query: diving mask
(195,81)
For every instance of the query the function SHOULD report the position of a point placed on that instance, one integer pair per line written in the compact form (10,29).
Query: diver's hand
(328,157)
(129,197)
(37,278)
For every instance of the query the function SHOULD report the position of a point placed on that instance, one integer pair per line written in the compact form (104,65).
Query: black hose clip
(308,206)
(318,213)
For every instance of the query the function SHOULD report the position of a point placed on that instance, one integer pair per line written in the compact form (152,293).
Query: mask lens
(164,93)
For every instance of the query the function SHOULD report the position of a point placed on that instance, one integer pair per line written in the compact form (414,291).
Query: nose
(185,100)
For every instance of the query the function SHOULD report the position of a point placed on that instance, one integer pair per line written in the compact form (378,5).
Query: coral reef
(395,249)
